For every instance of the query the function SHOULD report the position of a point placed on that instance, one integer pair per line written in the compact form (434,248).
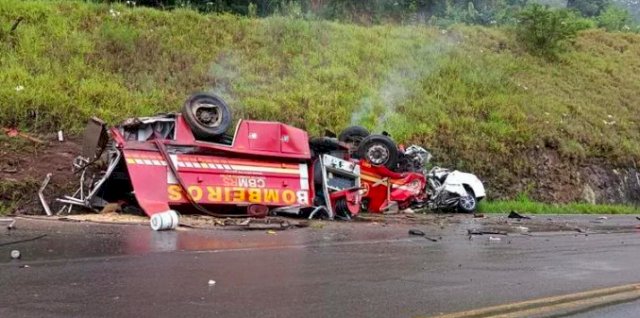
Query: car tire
(469,203)
(353,135)
(207,115)
(379,150)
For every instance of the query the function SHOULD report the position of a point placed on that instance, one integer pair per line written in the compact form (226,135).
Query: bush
(546,32)
(615,19)
(588,8)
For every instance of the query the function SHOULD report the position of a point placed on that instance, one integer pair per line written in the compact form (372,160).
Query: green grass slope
(469,93)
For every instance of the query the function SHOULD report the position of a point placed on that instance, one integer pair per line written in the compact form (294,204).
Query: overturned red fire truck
(187,162)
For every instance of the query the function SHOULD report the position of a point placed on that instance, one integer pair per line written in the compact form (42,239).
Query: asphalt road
(627,310)
(339,269)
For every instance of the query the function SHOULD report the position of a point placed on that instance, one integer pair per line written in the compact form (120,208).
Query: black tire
(323,144)
(353,135)
(379,150)
(317,174)
(468,204)
(207,115)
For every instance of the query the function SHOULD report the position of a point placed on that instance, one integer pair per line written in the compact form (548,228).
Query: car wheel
(469,203)
(379,150)
(207,115)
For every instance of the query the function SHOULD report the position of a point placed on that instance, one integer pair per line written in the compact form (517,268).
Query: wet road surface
(361,270)
(626,310)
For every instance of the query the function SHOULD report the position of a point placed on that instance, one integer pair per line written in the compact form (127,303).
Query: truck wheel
(379,150)
(469,203)
(207,115)
(353,135)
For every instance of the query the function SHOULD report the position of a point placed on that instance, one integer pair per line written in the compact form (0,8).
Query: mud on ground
(25,163)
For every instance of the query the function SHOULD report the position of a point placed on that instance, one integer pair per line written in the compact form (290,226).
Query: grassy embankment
(533,207)
(469,93)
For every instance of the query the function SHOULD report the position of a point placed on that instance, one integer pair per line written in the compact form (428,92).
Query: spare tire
(353,135)
(379,150)
(207,115)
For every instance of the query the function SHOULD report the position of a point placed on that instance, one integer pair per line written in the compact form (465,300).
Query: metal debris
(420,233)
(431,239)
(516,215)
(11,222)
(44,203)
(482,232)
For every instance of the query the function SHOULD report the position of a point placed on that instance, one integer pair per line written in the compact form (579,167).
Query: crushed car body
(397,178)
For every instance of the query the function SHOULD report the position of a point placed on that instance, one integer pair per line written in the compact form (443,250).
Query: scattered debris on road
(420,233)
(482,232)
(11,222)
(15,254)
(431,239)
(516,215)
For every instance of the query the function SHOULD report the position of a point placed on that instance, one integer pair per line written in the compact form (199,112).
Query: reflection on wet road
(362,269)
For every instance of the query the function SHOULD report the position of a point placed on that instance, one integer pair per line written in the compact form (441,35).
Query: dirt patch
(555,179)
(25,164)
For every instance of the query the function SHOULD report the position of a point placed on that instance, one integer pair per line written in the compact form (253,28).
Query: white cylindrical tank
(164,221)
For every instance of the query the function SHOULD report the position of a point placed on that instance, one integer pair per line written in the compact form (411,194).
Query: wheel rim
(207,114)
(468,203)
(378,154)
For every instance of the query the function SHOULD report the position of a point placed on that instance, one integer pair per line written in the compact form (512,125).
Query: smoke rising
(402,80)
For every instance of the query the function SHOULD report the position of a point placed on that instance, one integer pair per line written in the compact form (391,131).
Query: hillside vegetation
(471,94)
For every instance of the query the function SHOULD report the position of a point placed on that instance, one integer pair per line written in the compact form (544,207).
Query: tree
(546,32)
(614,19)
(588,8)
